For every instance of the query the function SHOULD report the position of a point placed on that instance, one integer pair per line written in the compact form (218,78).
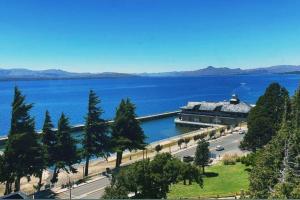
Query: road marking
(88,193)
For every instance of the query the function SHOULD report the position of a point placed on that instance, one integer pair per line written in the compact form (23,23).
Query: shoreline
(98,166)
(80,127)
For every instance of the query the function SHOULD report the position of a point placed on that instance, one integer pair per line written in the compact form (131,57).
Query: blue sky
(148,35)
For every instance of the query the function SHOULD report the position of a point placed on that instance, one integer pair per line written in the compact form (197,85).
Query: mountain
(21,73)
(223,71)
(26,74)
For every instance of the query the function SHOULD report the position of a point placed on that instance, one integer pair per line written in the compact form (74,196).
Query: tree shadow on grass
(248,170)
(211,174)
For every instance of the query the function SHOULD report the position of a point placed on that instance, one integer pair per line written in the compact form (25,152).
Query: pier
(80,127)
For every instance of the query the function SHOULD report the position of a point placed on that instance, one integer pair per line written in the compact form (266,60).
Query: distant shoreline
(137,76)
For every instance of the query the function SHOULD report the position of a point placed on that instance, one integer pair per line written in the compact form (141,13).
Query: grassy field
(221,181)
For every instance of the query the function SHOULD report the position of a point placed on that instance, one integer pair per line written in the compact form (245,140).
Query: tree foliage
(202,154)
(276,168)
(126,130)
(49,140)
(23,154)
(96,141)
(66,151)
(151,179)
(264,119)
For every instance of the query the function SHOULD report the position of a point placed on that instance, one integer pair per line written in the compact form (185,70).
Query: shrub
(186,140)
(212,133)
(199,137)
(249,159)
(230,159)
(222,130)
(196,137)
(228,127)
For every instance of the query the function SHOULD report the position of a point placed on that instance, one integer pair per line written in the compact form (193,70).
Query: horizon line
(144,72)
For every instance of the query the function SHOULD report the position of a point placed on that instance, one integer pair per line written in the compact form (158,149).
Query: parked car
(241,132)
(187,159)
(219,148)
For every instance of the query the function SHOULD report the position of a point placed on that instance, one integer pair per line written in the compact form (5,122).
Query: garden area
(219,181)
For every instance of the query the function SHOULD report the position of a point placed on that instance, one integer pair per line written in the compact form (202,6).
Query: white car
(219,148)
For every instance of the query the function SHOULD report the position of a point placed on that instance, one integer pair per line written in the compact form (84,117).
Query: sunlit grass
(224,180)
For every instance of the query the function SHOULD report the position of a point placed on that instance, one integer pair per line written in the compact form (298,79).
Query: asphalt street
(230,143)
(95,189)
(92,190)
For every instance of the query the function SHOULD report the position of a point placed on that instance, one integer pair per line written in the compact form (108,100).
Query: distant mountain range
(23,74)
(223,71)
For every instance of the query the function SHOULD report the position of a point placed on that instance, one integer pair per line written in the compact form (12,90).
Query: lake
(150,95)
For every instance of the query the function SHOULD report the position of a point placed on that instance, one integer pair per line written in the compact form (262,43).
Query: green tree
(269,167)
(202,154)
(180,142)
(276,165)
(66,152)
(158,148)
(49,141)
(126,130)
(6,174)
(151,179)
(186,141)
(23,153)
(191,173)
(96,141)
(264,119)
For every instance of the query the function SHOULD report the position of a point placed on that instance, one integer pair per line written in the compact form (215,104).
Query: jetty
(80,127)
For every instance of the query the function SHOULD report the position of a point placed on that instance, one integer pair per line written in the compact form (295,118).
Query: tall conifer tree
(49,141)
(23,153)
(66,151)
(264,119)
(96,139)
(126,130)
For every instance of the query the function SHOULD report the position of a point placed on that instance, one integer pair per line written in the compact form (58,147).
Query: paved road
(229,142)
(95,190)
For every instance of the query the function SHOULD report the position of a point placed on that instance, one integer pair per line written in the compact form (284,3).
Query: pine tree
(96,141)
(23,153)
(276,170)
(264,119)
(6,175)
(202,154)
(66,151)
(126,130)
(49,141)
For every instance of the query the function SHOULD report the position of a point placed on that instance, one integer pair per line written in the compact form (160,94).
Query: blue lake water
(151,95)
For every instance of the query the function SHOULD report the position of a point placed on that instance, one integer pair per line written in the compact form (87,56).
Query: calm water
(151,95)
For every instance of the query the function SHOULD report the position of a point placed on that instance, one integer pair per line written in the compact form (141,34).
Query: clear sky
(148,35)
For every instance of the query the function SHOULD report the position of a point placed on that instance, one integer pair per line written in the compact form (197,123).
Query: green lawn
(229,181)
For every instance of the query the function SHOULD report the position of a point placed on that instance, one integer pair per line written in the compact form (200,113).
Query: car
(187,159)
(241,132)
(219,148)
